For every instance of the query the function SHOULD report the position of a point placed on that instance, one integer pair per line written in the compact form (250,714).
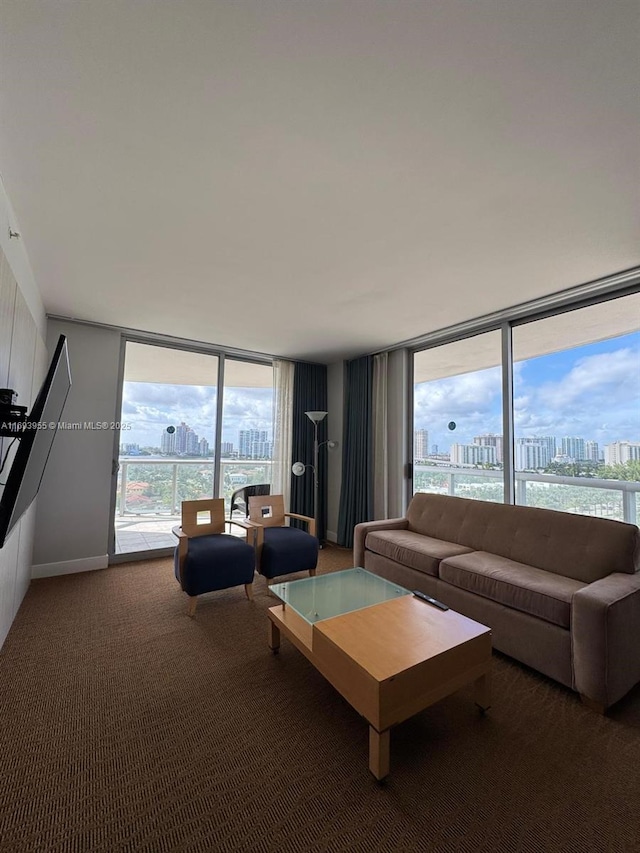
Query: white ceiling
(318,178)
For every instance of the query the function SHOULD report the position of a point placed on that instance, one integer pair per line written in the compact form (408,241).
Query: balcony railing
(614,499)
(155,488)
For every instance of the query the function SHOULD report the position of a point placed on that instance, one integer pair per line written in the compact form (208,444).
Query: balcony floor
(137,533)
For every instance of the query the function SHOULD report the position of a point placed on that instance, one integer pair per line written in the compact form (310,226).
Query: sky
(592,392)
(151,407)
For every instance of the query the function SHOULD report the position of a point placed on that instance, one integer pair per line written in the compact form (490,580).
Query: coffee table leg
(273,637)
(379,752)
(483,691)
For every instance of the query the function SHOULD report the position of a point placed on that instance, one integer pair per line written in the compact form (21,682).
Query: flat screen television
(34,442)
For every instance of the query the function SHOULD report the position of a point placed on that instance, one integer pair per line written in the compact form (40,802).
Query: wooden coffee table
(388,653)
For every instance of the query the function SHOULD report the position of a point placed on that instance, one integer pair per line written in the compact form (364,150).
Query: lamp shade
(316,417)
(298,468)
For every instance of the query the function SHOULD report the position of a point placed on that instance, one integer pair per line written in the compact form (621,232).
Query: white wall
(335,404)
(22,367)
(72,528)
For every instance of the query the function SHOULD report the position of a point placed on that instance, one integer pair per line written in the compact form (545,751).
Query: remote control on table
(429,600)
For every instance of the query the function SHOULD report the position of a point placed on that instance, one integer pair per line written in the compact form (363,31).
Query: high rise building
(182,430)
(420,443)
(549,441)
(531,454)
(621,452)
(262,450)
(254,444)
(168,443)
(574,448)
(472,454)
(192,443)
(226,448)
(491,440)
(203,447)
(183,442)
(592,451)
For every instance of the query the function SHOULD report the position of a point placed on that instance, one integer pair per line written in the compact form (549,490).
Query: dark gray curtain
(309,394)
(356,497)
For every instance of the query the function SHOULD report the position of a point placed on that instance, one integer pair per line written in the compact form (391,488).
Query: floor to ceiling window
(577,410)
(167,442)
(175,446)
(247,426)
(457,419)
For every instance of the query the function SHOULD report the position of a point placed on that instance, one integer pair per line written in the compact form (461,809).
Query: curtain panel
(356,496)
(309,394)
(283,373)
(380,404)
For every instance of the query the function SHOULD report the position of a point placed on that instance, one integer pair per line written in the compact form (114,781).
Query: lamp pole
(316,486)
(315,418)
(298,468)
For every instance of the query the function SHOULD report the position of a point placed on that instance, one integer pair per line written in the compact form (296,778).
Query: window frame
(600,291)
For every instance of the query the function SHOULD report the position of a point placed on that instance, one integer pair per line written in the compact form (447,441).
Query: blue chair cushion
(216,561)
(286,550)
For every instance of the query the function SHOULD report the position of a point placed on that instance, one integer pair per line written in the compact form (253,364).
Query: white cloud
(594,379)
(472,401)
(151,407)
(459,395)
(597,397)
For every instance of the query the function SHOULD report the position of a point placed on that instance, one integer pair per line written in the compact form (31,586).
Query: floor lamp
(298,468)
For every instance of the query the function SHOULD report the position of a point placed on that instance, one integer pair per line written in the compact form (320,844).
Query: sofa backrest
(577,546)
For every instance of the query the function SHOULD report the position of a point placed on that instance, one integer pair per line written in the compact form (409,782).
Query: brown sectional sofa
(561,592)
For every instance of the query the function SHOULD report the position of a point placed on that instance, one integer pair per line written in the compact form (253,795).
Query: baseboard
(69,567)
(331,536)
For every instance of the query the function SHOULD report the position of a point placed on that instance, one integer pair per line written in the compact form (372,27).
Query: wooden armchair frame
(268,511)
(192,528)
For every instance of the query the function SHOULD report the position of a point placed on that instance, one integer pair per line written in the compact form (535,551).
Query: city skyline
(150,407)
(185,441)
(531,452)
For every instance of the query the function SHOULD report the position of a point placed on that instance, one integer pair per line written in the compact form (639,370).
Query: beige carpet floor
(127,726)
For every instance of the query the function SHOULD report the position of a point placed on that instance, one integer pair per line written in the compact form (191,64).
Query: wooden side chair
(207,558)
(280,549)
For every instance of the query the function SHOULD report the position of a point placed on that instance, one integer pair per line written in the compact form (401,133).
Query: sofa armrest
(605,627)
(360,534)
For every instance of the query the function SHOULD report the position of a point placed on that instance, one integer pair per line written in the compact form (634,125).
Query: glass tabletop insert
(334,594)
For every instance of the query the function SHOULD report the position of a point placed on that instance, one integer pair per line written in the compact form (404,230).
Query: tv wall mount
(13,418)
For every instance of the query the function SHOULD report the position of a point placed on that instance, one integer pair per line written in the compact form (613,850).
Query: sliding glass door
(457,419)
(185,437)
(247,427)
(572,431)
(167,442)
(577,410)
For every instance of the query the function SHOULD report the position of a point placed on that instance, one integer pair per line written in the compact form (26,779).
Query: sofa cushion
(525,588)
(577,546)
(412,549)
